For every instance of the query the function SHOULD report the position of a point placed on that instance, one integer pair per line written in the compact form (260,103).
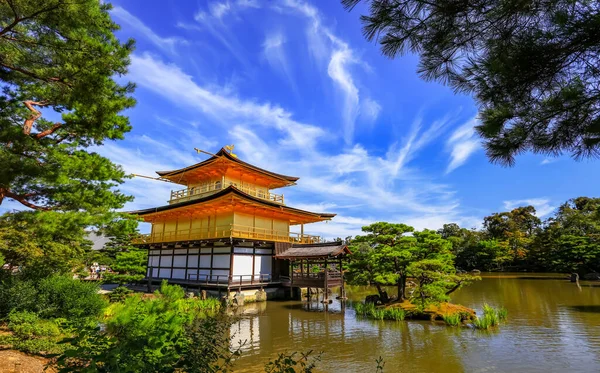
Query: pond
(553,326)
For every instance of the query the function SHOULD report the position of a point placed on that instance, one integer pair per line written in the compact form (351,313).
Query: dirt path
(17,362)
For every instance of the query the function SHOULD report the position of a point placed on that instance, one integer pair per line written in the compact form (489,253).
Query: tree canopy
(531,65)
(568,241)
(59,96)
(389,253)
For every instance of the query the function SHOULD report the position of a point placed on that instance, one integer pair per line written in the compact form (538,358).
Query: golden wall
(215,226)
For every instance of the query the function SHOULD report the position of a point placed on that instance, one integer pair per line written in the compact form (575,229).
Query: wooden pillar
(325,295)
(302,232)
(343,288)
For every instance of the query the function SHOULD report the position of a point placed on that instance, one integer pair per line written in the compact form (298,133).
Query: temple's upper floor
(223,170)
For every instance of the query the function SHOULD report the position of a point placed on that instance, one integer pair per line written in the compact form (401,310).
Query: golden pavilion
(227,227)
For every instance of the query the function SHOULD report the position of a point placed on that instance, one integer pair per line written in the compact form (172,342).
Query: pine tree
(531,65)
(61,57)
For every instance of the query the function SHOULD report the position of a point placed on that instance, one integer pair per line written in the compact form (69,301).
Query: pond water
(553,326)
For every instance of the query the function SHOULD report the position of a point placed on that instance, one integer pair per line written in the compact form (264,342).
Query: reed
(453,319)
(394,313)
(491,317)
(369,311)
(502,314)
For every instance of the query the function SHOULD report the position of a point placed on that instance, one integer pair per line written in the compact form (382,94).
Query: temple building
(227,229)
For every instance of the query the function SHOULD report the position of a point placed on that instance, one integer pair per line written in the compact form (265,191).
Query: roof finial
(229,148)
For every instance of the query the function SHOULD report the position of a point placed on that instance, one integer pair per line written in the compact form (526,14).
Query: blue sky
(299,91)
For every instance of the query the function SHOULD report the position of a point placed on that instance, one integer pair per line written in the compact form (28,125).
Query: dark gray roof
(317,250)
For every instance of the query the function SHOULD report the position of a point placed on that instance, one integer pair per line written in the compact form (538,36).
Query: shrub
(7,340)
(27,325)
(453,319)
(149,335)
(61,296)
(39,346)
(17,294)
(119,294)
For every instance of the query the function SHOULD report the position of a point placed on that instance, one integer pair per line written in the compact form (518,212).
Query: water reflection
(552,326)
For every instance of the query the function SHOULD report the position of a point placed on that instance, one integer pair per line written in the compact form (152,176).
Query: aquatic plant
(491,317)
(370,311)
(452,319)
(394,313)
(502,313)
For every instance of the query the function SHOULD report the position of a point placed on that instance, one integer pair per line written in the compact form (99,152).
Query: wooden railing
(233,280)
(226,231)
(199,191)
(322,279)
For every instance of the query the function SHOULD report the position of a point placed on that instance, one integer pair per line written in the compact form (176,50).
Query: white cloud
(350,180)
(542,205)
(274,53)
(170,81)
(548,161)
(323,42)
(168,44)
(462,143)
(369,110)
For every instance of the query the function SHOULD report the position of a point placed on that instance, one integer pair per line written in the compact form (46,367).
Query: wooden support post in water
(325,292)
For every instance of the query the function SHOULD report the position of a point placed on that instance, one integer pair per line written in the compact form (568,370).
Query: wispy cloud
(369,110)
(170,81)
(165,43)
(462,144)
(212,20)
(323,42)
(542,205)
(548,161)
(343,178)
(274,52)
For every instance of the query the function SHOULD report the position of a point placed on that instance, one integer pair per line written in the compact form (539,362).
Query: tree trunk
(402,287)
(379,290)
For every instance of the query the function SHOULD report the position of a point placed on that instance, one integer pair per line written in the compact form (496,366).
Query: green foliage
(370,311)
(569,241)
(119,294)
(381,256)
(26,325)
(39,346)
(532,66)
(394,313)
(210,345)
(51,297)
(32,334)
(303,362)
(130,266)
(390,253)
(160,334)
(60,296)
(436,279)
(502,314)
(453,319)
(62,57)
(491,318)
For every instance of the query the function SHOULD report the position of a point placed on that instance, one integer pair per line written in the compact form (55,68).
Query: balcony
(229,231)
(201,191)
